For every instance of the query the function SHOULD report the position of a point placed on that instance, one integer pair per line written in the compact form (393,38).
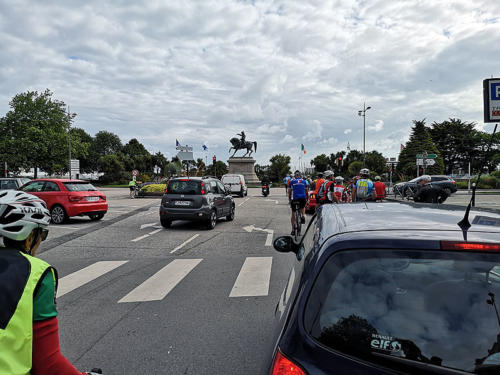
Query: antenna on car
(464,224)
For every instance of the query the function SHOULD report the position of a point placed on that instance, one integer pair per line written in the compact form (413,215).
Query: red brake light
(184,179)
(74,198)
(453,181)
(202,188)
(451,245)
(283,366)
(166,187)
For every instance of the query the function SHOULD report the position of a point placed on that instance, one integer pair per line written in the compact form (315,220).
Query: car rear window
(230,179)
(79,186)
(187,187)
(8,185)
(410,309)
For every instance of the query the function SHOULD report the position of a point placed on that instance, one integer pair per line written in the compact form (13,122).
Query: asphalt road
(135,298)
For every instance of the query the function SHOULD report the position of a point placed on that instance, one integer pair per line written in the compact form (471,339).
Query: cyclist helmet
(328,173)
(320,174)
(339,179)
(377,178)
(364,172)
(297,174)
(425,177)
(20,214)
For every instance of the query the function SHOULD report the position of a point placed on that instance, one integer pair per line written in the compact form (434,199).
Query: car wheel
(95,217)
(165,223)
(212,221)
(58,215)
(246,192)
(230,217)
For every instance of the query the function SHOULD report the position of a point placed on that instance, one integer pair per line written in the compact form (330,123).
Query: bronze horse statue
(238,145)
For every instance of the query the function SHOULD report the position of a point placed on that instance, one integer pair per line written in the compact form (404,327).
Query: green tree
(106,143)
(355,167)
(161,161)
(137,157)
(200,167)
(35,132)
(375,162)
(81,143)
(321,163)
(457,142)
(419,142)
(112,167)
(279,168)
(221,169)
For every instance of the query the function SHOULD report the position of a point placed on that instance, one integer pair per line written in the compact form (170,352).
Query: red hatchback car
(66,198)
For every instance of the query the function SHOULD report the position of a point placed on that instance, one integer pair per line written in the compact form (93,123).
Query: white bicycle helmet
(328,173)
(364,172)
(339,179)
(20,213)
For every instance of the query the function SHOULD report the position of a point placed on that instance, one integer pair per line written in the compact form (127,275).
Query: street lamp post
(362,112)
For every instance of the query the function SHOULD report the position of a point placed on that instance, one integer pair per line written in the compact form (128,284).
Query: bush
(495,174)
(144,178)
(153,188)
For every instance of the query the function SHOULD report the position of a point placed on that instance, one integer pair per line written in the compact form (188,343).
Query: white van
(235,183)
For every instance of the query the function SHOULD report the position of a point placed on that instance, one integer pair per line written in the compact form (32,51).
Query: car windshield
(187,187)
(79,186)
(417,307)
(230,179)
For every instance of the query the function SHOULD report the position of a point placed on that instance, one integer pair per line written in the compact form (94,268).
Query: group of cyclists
(328,188)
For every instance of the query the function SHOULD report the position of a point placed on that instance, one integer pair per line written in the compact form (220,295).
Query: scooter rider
(297,193)
(29,339)
(265,183)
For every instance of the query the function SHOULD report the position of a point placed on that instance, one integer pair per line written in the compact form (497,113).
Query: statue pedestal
(244,166)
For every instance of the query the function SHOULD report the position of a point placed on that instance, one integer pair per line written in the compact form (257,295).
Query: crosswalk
(252,280)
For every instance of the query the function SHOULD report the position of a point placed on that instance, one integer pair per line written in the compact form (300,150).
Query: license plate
(92,199)
(182,203)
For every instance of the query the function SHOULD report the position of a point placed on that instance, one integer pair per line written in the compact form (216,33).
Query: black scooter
(265,189)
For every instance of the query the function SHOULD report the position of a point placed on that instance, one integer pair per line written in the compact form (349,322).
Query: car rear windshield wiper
(428,367)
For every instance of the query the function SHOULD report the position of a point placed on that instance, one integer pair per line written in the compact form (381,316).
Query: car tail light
(241,182)
(453,182)
(103,197)
(452,245)
(184,179)
(75,198)
(283,366)
(166,187)
(202,188)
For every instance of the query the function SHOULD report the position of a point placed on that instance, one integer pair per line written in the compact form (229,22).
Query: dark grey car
(12,183)
(444,182)
(202,199)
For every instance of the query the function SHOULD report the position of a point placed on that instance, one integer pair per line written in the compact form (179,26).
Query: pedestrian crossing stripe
(252,281)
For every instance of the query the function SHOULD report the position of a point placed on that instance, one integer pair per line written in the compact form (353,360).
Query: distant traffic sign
(429,156)
(427,162)
(135,172)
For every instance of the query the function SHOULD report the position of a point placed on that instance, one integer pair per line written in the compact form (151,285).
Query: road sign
(75,167)
(429,156)
(491,99)
(135,172)
(185,156)
(427,162)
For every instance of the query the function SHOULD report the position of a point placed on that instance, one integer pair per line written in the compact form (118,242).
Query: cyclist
(339,189)
(319,182)
(298,194)
(379,188)
(429,193)
(327,191)
(364,189)
(29,339)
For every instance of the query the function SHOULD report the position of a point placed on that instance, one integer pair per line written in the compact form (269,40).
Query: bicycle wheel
(298,224)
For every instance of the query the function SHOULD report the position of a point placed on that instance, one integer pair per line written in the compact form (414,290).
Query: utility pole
(362,112)
(69,141)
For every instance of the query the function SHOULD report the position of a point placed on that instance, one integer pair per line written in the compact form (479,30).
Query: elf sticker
(387,343)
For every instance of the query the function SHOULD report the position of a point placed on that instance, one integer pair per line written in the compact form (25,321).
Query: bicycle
(298,220)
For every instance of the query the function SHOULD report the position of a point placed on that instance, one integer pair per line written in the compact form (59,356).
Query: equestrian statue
(241,144)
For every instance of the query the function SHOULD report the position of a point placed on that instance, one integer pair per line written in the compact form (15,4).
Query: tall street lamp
(362,112)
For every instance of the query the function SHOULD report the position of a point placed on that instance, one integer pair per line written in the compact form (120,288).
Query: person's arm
(353,192)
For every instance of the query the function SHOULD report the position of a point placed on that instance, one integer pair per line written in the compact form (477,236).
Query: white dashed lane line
(184,243)
(246,200)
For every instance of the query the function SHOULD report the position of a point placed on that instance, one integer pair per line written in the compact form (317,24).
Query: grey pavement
(197,327)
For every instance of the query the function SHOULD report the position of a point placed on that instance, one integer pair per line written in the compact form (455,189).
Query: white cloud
(378,126)
(204,71)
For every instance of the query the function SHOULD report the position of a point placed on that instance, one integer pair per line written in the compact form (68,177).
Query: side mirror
(285,244)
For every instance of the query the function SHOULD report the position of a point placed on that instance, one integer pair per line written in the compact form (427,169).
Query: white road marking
(62,227)
(270,233)
(272,200)
(184,243)
(161,283)
(148,225)
(253,279)
(76,279)
(246,200)
(155,231)
(140,238)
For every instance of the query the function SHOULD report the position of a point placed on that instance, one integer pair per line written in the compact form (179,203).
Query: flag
(205,148)
(302,148)
(401,147)
(177,144)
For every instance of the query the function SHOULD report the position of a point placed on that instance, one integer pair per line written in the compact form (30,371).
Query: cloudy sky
(286,72)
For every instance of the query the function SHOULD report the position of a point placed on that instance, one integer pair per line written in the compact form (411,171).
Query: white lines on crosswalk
(246,200)
(184,243)
(254,277)
(85,275)
(161,283)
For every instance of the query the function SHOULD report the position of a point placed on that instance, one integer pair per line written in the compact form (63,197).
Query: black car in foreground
(390,288)
(408,188)
(196,199)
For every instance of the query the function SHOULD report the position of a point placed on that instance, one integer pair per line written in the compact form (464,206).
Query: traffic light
(214,159)
(339,161)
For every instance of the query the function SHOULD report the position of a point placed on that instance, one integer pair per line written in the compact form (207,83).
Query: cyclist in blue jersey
(298,193)
(364,190)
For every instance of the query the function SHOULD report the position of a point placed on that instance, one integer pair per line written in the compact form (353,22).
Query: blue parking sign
(495,91)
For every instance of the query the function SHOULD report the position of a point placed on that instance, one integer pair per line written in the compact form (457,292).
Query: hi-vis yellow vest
(19,277)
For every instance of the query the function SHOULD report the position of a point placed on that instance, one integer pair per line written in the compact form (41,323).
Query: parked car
(236,184)
(66,198)
(12,183)
(196,199)
(446,183)
(390,289)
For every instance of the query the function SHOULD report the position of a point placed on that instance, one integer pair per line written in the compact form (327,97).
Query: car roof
(57,179)
(410,220)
